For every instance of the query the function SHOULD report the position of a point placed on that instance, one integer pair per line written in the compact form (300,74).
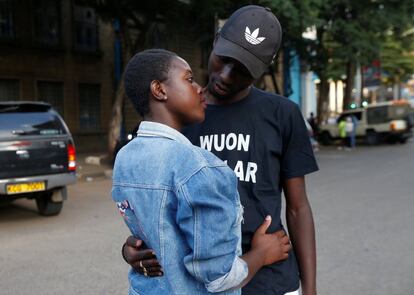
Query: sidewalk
(91,167)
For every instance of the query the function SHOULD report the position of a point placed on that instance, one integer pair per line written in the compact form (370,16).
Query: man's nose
(226,73)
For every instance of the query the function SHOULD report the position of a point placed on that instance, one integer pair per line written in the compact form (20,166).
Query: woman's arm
(208,217)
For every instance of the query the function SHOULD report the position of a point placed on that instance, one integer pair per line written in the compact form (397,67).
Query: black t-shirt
(264,139)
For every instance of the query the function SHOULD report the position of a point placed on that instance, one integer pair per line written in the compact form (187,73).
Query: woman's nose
(198,88)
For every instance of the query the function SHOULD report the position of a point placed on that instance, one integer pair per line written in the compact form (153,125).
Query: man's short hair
(143,68)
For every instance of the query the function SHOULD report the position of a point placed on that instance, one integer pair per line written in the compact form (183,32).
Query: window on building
(89,106)
(9,89)
(6,19)
(47,22)
(51,92)
(86,29)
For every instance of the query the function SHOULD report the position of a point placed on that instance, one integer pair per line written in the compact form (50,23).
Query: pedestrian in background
(342,134)
(314,124)
(350,133)
(353,133)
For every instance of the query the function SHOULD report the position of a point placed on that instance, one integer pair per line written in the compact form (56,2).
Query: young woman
(181,200)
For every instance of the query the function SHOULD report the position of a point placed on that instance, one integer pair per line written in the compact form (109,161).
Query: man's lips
(220,89)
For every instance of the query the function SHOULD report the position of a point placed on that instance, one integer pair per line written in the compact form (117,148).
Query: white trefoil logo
(252,37)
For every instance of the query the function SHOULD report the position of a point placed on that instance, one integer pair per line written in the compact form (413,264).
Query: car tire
(46,206)
(372,137)
(325,138)
(403,140)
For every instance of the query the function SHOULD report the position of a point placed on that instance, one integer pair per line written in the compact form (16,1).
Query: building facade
(59,52)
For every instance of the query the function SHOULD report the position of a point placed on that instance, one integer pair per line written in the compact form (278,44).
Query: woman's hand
(271,247)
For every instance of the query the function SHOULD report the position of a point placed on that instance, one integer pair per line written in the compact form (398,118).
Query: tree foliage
(348,32)
(397,58)
(351,32)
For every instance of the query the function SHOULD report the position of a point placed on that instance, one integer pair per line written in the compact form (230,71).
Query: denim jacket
(182,201)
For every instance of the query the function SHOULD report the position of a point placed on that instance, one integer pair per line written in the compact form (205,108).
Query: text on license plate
(28,187)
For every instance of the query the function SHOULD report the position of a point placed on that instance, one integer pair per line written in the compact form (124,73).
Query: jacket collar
(147,128)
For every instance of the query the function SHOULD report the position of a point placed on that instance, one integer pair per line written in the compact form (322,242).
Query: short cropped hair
(143,68)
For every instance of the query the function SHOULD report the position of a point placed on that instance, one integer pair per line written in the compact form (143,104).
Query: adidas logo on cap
(252,37)
(246,28)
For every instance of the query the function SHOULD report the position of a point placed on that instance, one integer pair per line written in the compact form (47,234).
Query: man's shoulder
(266,98)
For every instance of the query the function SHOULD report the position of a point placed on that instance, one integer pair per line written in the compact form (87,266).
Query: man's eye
(190,79)
(223,59)
(245,73)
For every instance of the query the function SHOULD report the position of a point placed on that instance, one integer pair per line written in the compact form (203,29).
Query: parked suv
(37,155)
(390,121)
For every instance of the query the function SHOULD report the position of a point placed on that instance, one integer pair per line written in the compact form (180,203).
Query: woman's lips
(204,103)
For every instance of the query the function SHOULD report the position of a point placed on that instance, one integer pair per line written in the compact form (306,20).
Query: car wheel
(46,206)
(372,137)
(403,140)
(325,138)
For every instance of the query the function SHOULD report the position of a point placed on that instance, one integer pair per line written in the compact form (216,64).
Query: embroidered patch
(123,206)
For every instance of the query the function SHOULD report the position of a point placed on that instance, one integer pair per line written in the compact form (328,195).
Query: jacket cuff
(232,279)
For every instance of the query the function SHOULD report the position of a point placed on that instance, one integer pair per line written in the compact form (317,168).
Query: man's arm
(302,231)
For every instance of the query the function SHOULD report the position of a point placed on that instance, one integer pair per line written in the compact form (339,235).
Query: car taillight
(398,125)
(71,158)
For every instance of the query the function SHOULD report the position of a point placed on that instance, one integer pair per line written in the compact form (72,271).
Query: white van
(391,121)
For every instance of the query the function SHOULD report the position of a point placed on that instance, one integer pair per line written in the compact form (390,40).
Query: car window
(377,115)
(340,118)
(30,123)
(384,114)
(399,111)
(358,115)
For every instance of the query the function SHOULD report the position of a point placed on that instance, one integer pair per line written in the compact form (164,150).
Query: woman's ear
(158,90)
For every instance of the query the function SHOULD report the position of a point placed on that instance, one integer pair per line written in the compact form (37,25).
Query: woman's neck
(166,120)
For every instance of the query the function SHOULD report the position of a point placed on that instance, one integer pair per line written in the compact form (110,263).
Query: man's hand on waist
(143,261)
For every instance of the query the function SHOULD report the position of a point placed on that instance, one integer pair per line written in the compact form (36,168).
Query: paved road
(77,252)
(363,202)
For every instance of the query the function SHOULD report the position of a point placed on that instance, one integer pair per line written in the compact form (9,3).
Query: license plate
(20,188)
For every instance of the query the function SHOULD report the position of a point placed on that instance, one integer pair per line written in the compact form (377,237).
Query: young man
(262,137)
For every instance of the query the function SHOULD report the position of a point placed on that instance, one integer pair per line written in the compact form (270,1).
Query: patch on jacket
(123,206)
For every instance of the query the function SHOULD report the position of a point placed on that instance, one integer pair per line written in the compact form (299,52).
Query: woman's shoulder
(197,156)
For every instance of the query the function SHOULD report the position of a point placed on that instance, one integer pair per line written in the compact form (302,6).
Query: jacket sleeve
(209,214)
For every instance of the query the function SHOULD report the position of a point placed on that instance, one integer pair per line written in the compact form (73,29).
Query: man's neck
(211,99)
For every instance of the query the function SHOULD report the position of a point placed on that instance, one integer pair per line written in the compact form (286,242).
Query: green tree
(351,32)
(397,59)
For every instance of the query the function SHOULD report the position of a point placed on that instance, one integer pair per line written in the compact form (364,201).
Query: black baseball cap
(252,35)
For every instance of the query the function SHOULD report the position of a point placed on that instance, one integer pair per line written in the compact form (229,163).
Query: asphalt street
(363,203)
(362,200)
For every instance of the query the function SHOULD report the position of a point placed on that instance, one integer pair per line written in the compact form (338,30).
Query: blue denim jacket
(182,201)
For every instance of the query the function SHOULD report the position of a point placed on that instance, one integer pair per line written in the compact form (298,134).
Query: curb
(91,176)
